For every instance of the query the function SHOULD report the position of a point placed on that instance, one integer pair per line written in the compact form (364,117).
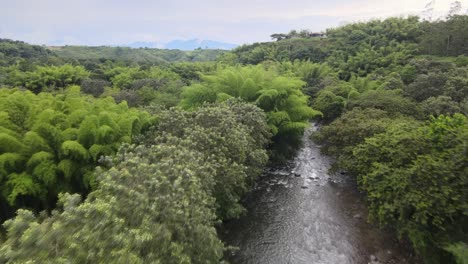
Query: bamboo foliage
(49,143)
(279,96)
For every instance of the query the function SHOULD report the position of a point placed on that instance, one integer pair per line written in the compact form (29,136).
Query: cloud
(104,22)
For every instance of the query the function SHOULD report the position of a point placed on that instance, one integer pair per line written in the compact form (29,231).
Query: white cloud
(121,21)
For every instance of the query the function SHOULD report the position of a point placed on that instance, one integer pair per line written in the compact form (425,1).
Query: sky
(113,22)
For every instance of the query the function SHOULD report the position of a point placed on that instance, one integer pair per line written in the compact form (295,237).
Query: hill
(140,55)
(187,45)
(11,51)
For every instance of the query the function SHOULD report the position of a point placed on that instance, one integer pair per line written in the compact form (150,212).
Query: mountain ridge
(180,44)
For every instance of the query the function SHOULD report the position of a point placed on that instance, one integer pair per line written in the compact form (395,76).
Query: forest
(119,155)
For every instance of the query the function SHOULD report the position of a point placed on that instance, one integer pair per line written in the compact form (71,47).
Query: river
(302,214)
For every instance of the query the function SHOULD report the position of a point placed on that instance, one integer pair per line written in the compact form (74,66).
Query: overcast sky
(108,22)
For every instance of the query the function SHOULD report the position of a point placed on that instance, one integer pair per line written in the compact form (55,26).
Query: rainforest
(121,155)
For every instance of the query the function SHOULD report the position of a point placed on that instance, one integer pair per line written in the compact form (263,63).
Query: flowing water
(302,214)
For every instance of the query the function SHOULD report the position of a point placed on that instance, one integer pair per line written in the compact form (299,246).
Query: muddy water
(302,214)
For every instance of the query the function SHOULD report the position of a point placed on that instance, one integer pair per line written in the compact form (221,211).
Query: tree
(329,104)
(388,100)
(278,37)
(146,210)
(445,37)
(455,8)
(317,76)
(351,129)
(441,105)
(231,137)
(280,97)
(50,77)
(415,178)
(457,86)
(94,87)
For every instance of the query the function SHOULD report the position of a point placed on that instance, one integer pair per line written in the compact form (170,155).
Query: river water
(301,214)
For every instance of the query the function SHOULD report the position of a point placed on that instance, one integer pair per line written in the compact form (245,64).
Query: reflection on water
(301,214)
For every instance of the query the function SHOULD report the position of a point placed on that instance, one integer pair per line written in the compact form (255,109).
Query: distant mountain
(142,44)
(190,44)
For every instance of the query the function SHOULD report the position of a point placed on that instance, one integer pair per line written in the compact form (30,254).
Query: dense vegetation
(165,178)
(394,98)
(314,50)
(12,52)
(146,158)
(51,144)
(158,201)
(135,56)
(279,96)
(397,121)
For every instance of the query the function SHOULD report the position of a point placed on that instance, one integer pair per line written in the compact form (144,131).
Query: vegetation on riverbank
(398,123)
(116,158)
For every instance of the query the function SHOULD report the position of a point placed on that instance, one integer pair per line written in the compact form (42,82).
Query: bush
(415,179)
(232,137)
(94,87)
(145,210)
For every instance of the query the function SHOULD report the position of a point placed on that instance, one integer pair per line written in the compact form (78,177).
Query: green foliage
(138,86)
(18,51)
(317,76)
(445,37)
(460,251)
(123,77)
(158,202)
(414,173)
(9,143)
(461,61)
(44,78)
(275,94)
(441,105)
(94,87)
(230,138)
(340,137)
(145,210)
(426,86)
(141,56)
(192,71)
(362,84)
(388,100)
(311,49)
(392,82)
(362,48)
(451,82)
(74,150)
(456,86)
(415,178)
(329,104)
(48,143)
